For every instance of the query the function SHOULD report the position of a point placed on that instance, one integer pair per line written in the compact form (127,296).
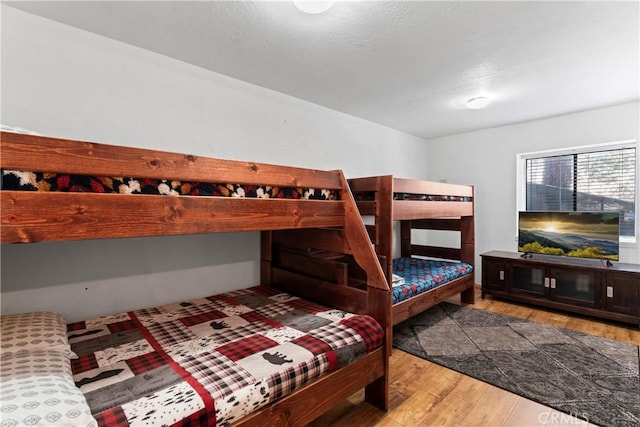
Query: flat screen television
(573,234)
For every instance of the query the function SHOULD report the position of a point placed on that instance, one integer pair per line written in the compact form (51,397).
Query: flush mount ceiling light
(313,7)
(478,102)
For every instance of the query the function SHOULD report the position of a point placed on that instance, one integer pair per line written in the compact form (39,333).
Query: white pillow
(397,281)
(37,389)
(33,331)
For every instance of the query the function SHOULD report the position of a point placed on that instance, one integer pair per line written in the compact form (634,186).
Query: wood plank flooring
(425,394)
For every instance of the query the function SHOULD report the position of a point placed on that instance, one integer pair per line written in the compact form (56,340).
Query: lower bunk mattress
(212,360)
(421,275)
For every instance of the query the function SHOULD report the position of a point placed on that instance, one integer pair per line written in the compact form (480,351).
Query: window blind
(593,181)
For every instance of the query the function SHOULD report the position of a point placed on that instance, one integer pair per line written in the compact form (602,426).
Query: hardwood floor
(425,394)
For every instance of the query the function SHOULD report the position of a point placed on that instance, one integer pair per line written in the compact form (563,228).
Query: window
(599,178)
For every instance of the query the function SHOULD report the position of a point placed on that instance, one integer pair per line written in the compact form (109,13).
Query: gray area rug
(592,378)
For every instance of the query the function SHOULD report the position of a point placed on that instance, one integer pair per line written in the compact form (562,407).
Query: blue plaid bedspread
(420,275)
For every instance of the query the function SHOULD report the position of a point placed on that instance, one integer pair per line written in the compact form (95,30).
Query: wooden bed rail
(401,185)
(33,216)
(410,186)
(465,225)
(43,154)
(36,217)
(412,209)
(452,224)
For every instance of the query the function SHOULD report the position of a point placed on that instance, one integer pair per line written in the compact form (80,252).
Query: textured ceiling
(407,65)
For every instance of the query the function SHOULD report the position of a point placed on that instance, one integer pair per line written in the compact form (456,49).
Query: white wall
(64,82)
(487,160)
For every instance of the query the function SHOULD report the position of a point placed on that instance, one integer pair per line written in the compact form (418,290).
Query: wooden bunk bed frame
(423,205)
(293,230)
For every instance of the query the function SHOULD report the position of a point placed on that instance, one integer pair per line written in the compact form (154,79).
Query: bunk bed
(81,190)
(426,274)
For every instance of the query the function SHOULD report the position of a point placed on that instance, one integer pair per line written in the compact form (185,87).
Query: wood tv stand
(583,286)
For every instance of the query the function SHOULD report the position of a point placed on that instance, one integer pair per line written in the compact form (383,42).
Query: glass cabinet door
(622,293)
(528,279)
(493,274)
(575,286)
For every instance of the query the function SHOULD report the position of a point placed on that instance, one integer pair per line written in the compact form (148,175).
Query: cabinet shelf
(586,287)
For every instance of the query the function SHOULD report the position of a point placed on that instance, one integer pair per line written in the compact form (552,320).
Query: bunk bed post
(468,253)
(384,221)
(266,256)
(377,392)
(405,238)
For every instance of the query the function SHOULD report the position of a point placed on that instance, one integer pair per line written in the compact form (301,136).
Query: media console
(583,286)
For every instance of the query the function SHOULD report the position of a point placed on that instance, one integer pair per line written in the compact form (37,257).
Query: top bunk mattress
(421,275)
(213,360)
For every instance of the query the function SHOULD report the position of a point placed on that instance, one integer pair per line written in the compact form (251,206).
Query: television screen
(574,234)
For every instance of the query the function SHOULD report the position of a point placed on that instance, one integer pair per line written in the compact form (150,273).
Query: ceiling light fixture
(312,6)
(478,102)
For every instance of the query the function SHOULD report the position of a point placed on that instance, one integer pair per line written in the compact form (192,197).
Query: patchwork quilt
(420,275)
(212,360)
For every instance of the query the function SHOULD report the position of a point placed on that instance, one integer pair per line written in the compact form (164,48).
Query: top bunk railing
(24,152)
(74,213)
(411,199)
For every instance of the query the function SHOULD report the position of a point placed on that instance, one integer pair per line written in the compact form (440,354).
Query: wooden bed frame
(293,230)
(429,206)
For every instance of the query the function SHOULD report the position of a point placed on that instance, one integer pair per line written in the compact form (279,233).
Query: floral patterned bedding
(420,275)
(212,360)
(39,181)
(371,196)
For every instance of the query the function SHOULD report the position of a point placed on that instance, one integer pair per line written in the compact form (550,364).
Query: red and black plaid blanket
(211,360)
